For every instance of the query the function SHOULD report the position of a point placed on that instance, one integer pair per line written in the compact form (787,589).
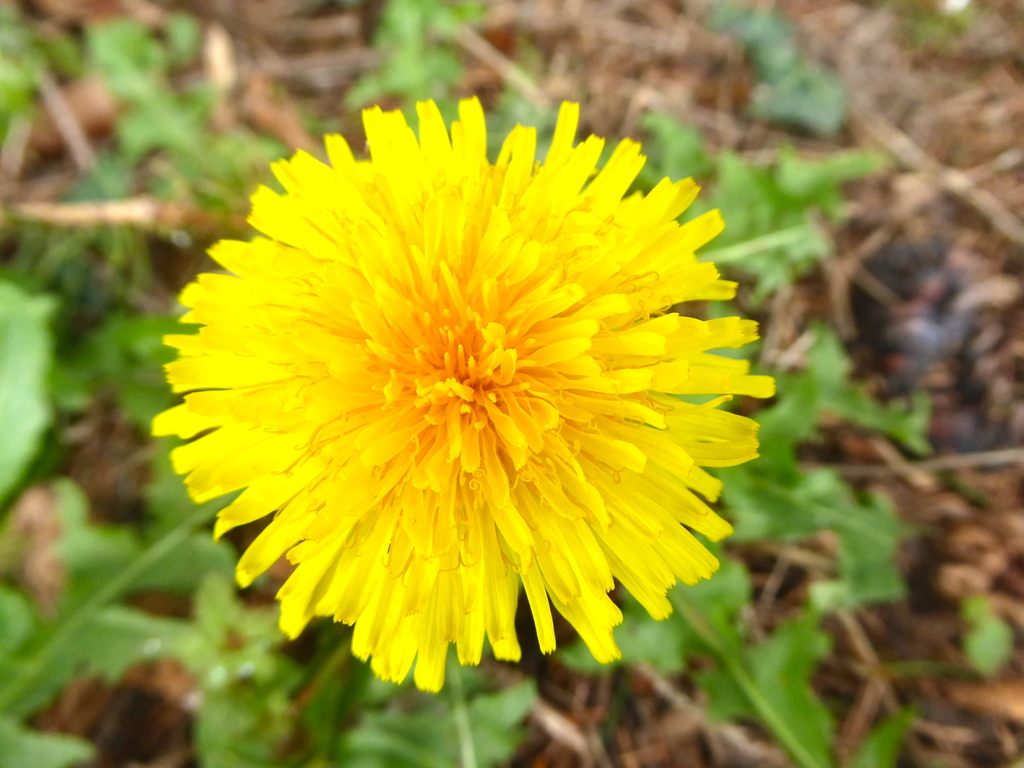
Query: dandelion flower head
(446,377)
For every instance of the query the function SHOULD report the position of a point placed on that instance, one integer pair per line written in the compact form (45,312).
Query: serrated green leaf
(828,366)
(768,37)
(807,96)
(400,740)
(107,644)
(119,636)
(819,179)
(881,747)
(25,748)
(771,683)
(495,721)
(675,150)
(645,641)
(25,354)
(92,553)
(792,89)
(757,211)
(429,736)
(867,553)
(774,498)
(125,355)
(234,652)
(413,65)
(127,55)
(869,531)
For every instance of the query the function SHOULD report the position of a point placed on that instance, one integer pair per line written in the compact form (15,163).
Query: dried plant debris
(870,608)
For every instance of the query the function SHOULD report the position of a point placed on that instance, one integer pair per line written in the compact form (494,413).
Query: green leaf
(16,620)
(127,55)
(819,180)
(667,644)
(674,150)
(413,65)
(758,211)
(21,61)
(392,739)
(119,636)
(184,37)
(774,498)
(989,639)
(48,656)
(125,355)
(495,720)
(766,506)
(770,231)
(767,35)
(868,540)
(807,96)
(24,748)
(25,352)
(771,683)
(646,641)
(429,736)
(246,711)
(829,367)
(792,89)
(92,553)
(106,644)
(881,747)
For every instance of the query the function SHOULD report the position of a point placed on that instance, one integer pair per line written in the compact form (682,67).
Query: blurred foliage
(415,62)
(791,89)
(244,682)
(471,726)
(989,639)
(25,350)
(73,329)
(214,170)
(21,62)
(930,25)
(773,212)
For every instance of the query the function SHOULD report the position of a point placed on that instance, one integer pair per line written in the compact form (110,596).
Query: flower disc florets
(446,377)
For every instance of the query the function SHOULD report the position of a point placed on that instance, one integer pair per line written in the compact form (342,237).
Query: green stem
(748,248)
(789,740)
(467,749)
(69,628)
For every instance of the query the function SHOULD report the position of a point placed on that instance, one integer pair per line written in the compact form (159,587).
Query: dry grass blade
(995,458)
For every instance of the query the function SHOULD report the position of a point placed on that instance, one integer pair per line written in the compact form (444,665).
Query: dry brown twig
(562,730)
(957,182)
(12,153)
(996,458)
(143,212)
(318,70)
(727,737)
(508,70)
(67,124)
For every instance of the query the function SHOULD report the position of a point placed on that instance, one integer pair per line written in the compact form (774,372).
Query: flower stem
(66,632)
(467,749)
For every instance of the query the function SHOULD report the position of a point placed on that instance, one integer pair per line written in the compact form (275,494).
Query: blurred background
(868,159)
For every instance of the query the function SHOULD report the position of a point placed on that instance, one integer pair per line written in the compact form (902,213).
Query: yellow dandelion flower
(446,377)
